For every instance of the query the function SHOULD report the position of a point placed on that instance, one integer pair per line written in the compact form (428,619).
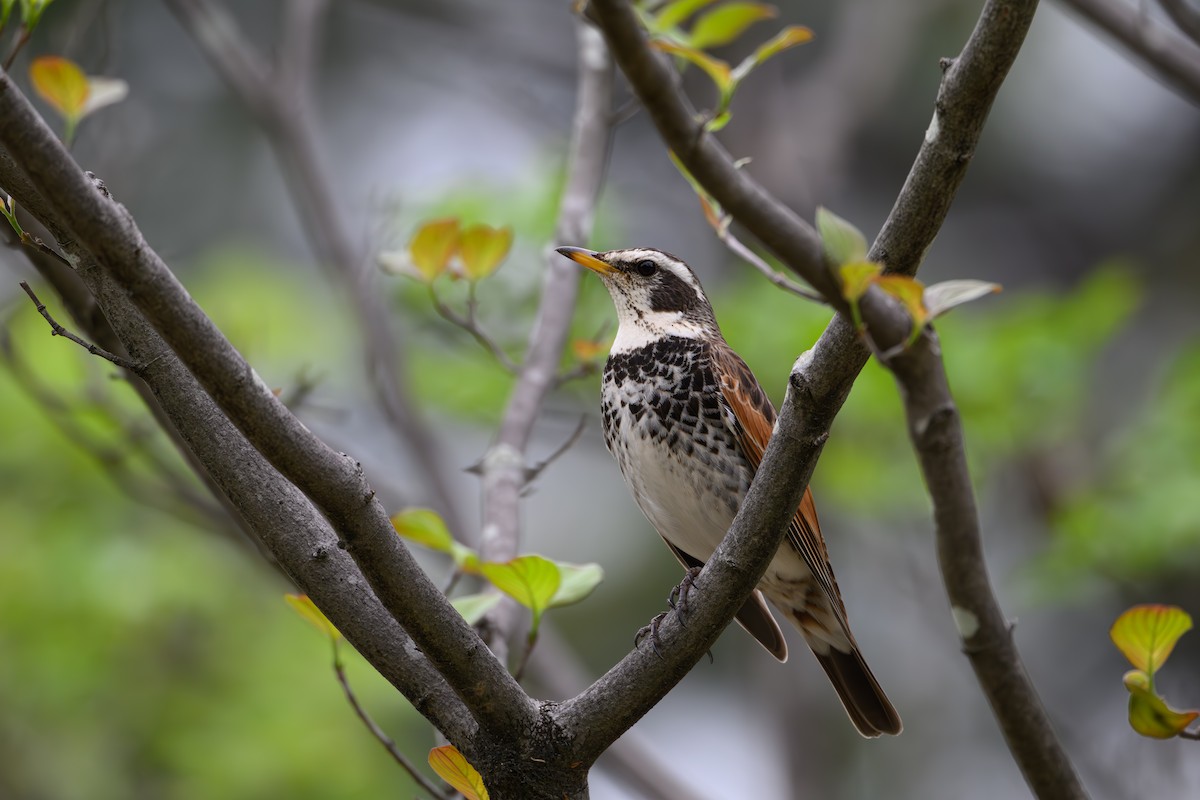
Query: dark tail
(869,708)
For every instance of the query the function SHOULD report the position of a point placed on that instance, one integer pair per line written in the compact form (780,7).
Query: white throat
(634,332)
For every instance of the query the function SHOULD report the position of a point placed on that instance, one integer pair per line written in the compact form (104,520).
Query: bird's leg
(650,630)
(678,598)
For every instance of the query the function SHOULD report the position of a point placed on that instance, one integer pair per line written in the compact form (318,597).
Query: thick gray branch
(333,481)
(937,436)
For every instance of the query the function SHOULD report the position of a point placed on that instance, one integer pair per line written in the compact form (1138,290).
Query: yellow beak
(588,259)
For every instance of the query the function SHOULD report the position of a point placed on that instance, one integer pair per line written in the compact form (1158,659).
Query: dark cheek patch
(672,294)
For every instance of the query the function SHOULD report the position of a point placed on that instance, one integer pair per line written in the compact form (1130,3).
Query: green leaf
(1147,634)
(530,580)
(425,527)
(452,767)
(578,581)
(718,122)
(856,277)
(787,38)
(843,243)
(672,14)
(474,606)
(911,294)
(482,248)
(1149,714)
(432,246)
(717,69)
(304,606)
(941,297)
(31,12)
(727,22)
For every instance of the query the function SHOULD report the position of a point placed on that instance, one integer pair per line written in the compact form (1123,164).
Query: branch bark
(937,436)
(85,215)
(504,468)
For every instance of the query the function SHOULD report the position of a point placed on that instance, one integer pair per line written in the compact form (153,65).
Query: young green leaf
(578,581)
(856,277)
(941,297)
(482,248)
(309,611)
(717,69)
(31,12)
(1147,634)
(727,22)
(1149,714)
(474,606)
(673,14)
(911,294)
(530,580)
(62,84)
(425,527)
(843,243)
(787,38)
(452,767)
(432,246)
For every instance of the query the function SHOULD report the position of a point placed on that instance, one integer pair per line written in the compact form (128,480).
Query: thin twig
(531,473)
(22,40)
(778,278)
(339,669)
(1166,54)
(470,324)
(59,330)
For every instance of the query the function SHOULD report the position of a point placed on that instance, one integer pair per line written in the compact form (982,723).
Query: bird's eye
(646,268)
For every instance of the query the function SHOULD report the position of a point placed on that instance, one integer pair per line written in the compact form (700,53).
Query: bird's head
(655,293)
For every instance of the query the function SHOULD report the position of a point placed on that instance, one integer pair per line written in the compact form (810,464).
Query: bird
(688,423)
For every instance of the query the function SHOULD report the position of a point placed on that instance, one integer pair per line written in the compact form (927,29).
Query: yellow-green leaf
(432,246)
(1149,714)
(530,580)
(577,582)
(856,277)
(1147,634)
(673,14)
(787,38)
(482,248)
(425,527)
(941,297)
(911,294)
(62,84)
(843,243)
(727,22)
(305,607)
(454,769)
(717,69)
(474,606)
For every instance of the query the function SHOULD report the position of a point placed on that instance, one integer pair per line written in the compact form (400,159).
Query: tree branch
(333,481)
(277,98)
(504,471)
(822,378)
(1168,56)
(58,330)
(936,432)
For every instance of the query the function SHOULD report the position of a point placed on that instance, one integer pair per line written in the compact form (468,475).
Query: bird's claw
(650,630)
(678,598)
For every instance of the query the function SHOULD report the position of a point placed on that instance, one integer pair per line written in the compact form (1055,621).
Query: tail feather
(865,702)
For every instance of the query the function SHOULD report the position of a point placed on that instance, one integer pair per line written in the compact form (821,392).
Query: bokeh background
(144,656)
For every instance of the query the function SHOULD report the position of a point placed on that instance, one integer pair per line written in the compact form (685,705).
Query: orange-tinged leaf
(586,350)
(452,767)
(856,277)
(1149,714)
(482,248)
(717,69)
(61,83)
(727,22)
(911,294)
(425,527)
(530,580)
(309,611)
(432,246)
(1147,634)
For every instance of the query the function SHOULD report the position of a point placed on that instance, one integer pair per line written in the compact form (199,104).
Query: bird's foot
(650,630)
